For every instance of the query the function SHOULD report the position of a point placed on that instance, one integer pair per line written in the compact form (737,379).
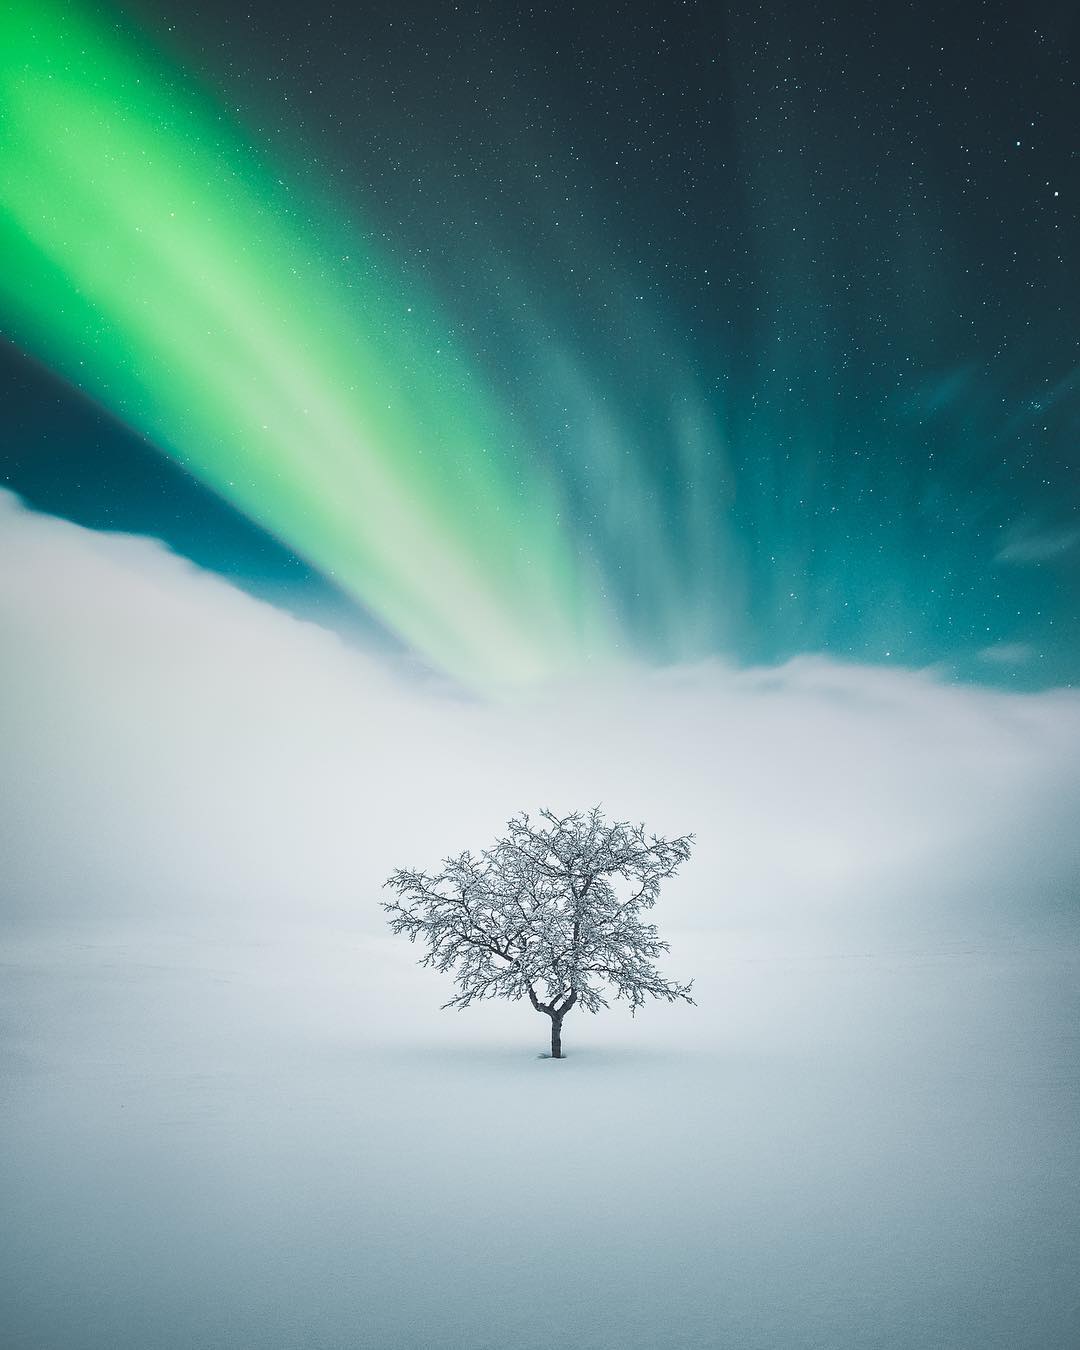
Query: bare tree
(538,915)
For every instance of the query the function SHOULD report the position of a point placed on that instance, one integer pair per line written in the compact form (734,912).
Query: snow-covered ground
(227,1135)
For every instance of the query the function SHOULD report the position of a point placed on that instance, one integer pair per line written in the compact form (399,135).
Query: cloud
(173,746)
(1008,653)
(1028,544)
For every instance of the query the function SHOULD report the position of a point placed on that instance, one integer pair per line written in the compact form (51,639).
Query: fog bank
(173,746)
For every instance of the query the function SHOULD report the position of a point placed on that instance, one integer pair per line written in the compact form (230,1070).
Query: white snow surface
(218,1137)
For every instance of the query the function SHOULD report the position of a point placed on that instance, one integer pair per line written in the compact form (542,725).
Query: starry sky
(522,340)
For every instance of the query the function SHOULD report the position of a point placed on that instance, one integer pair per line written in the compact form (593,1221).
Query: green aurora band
(150,259)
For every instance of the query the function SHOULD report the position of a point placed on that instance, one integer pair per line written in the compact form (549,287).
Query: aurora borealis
(558,339)
(151,266)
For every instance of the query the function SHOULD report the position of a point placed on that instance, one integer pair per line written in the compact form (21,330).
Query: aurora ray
(151,259)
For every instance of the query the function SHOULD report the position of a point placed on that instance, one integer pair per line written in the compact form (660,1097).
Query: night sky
(532,339)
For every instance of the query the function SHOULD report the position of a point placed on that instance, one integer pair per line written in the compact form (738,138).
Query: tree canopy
(552,911)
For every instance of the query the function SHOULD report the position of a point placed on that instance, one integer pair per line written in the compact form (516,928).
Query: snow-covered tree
(551,912)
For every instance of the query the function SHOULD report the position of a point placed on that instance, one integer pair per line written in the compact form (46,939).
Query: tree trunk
(556,1038)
